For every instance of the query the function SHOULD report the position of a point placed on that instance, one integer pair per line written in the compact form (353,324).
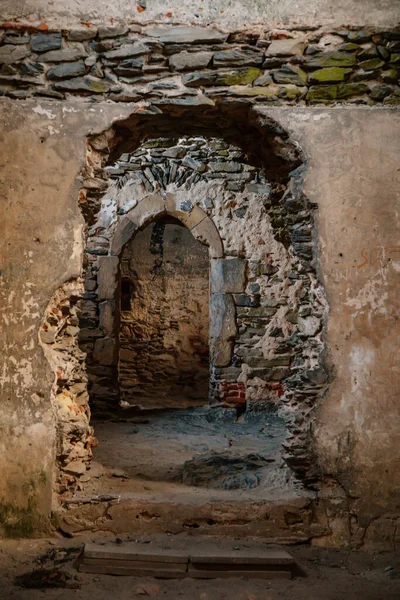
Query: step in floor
(201,559)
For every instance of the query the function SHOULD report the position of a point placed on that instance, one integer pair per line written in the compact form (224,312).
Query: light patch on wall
(44,112)
(361,359)
(372,295)
(77,247)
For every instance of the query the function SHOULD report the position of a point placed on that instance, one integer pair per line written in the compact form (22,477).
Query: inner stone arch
(235,180)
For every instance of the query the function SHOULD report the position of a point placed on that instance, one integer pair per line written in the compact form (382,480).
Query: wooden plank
(248,573)
(135,552)
(135,564)
(132,572)
(243,556)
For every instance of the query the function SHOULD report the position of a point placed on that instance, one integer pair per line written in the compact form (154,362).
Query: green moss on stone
(390,76)
(330,75)
(341,91)
(330,59)
(242,90)
(372,64)
(350,47)
(238,76)
(290,92)
(395,59)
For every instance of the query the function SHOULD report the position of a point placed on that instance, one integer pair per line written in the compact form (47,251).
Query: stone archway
(227,277)
(267,226)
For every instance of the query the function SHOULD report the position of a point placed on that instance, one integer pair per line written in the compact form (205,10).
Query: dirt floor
(200,453)
(323,575)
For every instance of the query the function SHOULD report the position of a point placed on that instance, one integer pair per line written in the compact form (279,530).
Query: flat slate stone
(288,47)
(112,32)
(42,42)
(290,74)
(186,35)
(10,54)
(190,60)
(330,59)
(82,35)
(83,84)
(237,58)
(127,50)
(64,55)
(67,70)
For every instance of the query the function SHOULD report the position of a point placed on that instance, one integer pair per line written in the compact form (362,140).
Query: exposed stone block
(288,47)
(67,70)
(222,316)
(228,275)
(105,351)
(11,54)
(207,233)
(151,206)
(237,57)
(107,316)
(123,233)
(184,61)
(42,42)
(108,277)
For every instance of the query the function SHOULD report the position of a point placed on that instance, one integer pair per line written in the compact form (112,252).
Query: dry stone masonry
(190,66)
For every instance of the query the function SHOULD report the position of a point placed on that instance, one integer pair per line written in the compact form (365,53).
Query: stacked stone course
(195,66)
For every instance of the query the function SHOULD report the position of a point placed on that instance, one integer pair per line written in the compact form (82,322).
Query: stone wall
(351,154)
(163,351)
(181,66)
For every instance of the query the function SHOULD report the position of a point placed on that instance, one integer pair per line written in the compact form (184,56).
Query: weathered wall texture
(352,157)
(225,13)
(163,354)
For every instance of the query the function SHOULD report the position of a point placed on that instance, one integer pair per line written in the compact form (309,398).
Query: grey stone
(259,188)
(196,165)
(107,316)
(82,35)
(176,152)
(238,58)
(112,32)
(67,70)
(190,60)
(290,74)
(43,42)
(108,277)
(30,68)
(225,167)
(83,84)
(244,300)
(227,275)
(288,47)
(64,55)
(185,35)
(309,325)
(17,39)
(127,51)
(11,54)
(222,316)
(265,79)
